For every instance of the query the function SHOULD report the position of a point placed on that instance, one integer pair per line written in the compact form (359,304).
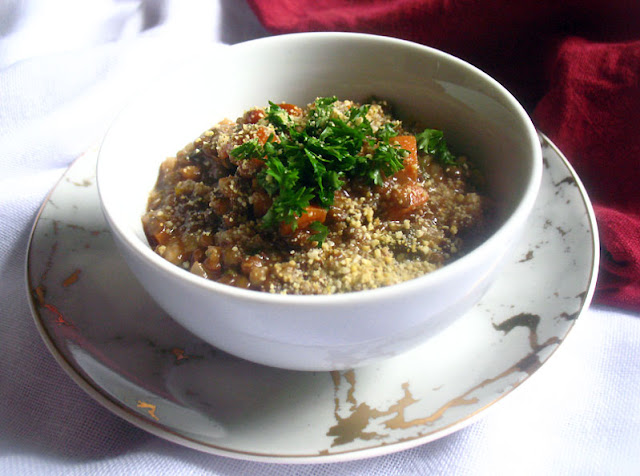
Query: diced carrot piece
(406,195)
(312,213)
(410,170)
(292,109)
(263,135)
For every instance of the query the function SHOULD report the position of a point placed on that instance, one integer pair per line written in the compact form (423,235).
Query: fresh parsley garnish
(321,232)
(278,116)
(308,164)
(433,143)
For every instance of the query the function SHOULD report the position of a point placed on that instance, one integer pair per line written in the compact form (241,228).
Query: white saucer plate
(125,352)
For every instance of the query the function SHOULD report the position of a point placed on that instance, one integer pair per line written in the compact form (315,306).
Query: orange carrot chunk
(312,213)
(408,195)
(410,170)
(263,135)
(292,109)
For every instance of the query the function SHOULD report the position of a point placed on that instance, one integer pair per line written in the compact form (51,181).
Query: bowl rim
(514,219)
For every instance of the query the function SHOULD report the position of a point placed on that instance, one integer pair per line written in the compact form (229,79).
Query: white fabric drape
(66,67)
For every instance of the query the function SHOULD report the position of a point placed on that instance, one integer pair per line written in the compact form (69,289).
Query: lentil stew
(334,197)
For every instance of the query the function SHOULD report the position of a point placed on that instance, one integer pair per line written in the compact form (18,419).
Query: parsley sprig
(433,143)
(308,164)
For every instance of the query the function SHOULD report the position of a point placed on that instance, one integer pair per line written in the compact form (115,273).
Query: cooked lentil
(205,213)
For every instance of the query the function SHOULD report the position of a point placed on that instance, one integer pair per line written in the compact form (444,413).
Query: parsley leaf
(249,149)
(387,160)
(386,132)
(278,116)
(310,163)
(321,232)
(287,207)
(433,143)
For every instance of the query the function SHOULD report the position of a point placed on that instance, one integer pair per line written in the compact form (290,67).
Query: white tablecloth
(66,68)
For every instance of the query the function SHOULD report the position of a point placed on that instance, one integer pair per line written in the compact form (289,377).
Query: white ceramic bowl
(478,115)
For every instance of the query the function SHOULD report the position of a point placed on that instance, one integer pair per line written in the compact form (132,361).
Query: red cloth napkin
(573,64)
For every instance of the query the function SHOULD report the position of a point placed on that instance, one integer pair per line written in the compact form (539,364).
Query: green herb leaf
(310,164)
(320,114)
(278,116)
(286,207)
(248,150)
(433,143)
(386,132)
(388,159)
(320,235)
